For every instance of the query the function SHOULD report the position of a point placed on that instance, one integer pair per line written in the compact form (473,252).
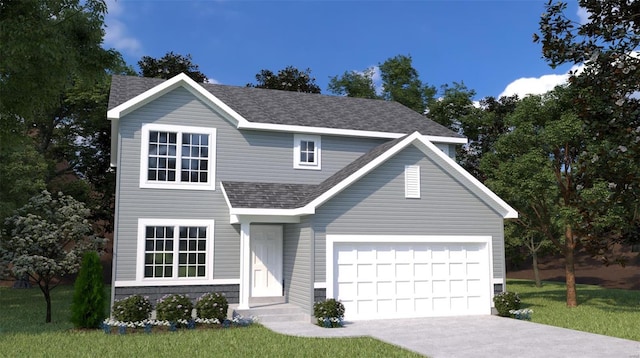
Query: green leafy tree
(605,99)
(89,298)
(288,79)
(401,83)
(482,127)
(46,239)
(170,65)
(536,166)
(454,103)
(354,84)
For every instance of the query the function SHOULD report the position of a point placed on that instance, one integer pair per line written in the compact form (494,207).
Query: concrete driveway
(475,336)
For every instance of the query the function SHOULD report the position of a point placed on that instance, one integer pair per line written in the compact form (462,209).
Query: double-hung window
(306,152)
(177,157)
(175,249)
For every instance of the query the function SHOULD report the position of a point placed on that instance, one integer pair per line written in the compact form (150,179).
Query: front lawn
(604,311)
(23,333)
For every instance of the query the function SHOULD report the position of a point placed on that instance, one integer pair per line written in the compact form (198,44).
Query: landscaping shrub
(174,308)
(89,299)
(132,309)
(212,305)
(329,313)
(505,302)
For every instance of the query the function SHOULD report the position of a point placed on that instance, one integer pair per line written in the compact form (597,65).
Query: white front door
(266,260)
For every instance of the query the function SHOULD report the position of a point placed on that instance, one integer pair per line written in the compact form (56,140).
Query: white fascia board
(361,172)
(180,80)
(318,130)
(451,140)
(429,148)
(272,212)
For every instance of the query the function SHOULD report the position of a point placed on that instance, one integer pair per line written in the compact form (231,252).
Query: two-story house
(265,193)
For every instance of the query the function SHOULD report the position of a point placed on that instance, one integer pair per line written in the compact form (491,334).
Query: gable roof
(268,199)
(267,109)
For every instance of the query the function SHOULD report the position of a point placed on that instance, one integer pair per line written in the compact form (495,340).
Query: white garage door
(413,279)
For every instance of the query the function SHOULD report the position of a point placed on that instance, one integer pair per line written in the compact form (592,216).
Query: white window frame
(316,139)
(412,181)
(177,184)
(142,225)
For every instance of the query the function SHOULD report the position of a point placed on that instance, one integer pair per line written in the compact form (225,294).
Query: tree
(482,127)
(536,166)
(89,299)
(605,99)
(288,79)
(354,84)
(46,239)
(454,103)
(401,83)
(170,65)
(69,42)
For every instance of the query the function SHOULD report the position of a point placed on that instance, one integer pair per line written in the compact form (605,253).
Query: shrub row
(172,308)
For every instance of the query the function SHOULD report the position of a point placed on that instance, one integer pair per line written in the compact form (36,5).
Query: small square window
(306,152)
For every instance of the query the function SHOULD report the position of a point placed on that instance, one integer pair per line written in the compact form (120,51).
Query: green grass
(23,333)
(603,311)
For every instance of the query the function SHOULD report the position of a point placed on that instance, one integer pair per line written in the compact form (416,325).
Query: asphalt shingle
(301,109)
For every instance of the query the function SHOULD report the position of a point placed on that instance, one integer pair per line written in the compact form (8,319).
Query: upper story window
(306,151)
(177,157)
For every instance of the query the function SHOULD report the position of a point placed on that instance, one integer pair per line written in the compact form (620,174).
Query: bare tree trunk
(46,291)
(536,271)
(570,245)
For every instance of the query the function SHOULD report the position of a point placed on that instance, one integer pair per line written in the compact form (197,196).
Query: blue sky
(485,44)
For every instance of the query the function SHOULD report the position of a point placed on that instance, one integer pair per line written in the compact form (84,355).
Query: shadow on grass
(594,296)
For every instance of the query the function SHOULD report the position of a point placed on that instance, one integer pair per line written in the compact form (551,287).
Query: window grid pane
(192,256)
(307,151)
(162,156)
(195,158)
(158,258)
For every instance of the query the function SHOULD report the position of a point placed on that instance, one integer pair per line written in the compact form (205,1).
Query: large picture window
(175,157)
(306,151)
(179,250)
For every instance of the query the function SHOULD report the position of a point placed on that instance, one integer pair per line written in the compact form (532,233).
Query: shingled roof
(299,109)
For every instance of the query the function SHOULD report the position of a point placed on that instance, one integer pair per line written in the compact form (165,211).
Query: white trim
(317,141)
(177,184)
(511,212)
(330,240)
(144,222)
(245,265)
(223,281)
(412,183)
(320,285)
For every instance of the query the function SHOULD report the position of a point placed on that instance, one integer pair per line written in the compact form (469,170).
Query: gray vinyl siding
(154,293)
(240,156)
(376,205)
(298,265)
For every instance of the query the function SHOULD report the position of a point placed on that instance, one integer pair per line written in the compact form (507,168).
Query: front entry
(266,260)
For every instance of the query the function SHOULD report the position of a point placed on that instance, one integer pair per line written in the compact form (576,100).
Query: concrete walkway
(475,336)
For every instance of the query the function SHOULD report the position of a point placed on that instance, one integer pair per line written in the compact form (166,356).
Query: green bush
(212,305)
(132,309)
(174,307)
(329,313)
(89,299)
(505,302)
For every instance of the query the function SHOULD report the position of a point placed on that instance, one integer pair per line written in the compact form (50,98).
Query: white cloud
(212,81)
(583,15)
(538,85)
(116,33)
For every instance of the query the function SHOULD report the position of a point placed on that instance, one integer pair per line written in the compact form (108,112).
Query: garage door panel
(413,279)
